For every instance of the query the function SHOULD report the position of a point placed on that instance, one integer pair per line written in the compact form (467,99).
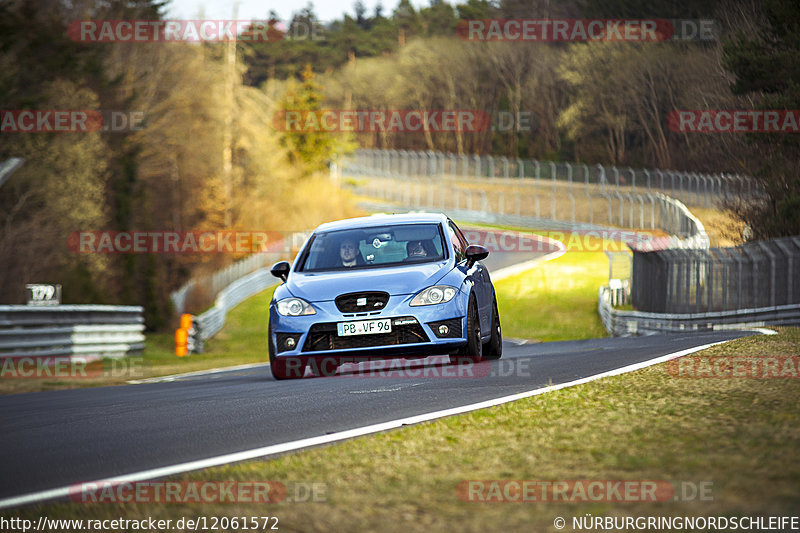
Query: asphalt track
(58,438)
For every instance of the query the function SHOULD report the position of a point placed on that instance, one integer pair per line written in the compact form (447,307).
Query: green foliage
(310,147)
(326,47)
(649,9)
(766,67)
(333,44)
(476,9)
(438,19)
(406,19)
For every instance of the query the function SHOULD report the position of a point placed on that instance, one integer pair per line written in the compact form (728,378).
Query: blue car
(382,286)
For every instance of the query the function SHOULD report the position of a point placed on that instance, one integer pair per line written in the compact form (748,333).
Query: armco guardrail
(88,332)
(209,323)
(627,323)
(8,167)
(217,281)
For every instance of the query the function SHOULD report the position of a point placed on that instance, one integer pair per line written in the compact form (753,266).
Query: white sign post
(40,294)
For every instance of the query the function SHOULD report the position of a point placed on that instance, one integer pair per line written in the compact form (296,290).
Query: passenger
(416,250)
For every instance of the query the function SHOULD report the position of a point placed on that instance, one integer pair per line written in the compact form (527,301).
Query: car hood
(321,286)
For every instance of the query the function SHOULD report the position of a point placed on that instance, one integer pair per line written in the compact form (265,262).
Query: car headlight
(438,294)
(294,307)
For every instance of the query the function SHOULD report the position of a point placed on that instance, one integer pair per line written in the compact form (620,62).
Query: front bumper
(415,331)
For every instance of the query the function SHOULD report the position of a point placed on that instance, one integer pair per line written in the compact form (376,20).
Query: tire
(283,367)
(494,348)
(473,351)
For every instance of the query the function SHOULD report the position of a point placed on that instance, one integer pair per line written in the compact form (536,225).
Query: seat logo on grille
(361,301)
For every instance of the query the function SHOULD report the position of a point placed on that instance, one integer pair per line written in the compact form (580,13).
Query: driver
(348,252)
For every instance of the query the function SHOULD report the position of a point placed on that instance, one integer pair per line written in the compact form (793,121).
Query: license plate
(364,327)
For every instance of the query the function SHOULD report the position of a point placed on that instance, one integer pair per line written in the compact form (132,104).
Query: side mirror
(281,270)
(476,252)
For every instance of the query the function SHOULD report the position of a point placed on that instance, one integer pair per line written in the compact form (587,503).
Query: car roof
(381,220)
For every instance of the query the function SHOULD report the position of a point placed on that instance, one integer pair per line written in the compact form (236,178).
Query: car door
(476,273)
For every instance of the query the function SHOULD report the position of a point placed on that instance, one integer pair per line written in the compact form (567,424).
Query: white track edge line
(255,453)
(173,377)
(765,331)
(519,268)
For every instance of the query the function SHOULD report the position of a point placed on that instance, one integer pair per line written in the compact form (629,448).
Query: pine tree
(307,144)
(767,66)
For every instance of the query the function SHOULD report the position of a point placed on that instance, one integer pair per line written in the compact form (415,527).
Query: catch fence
(749,276)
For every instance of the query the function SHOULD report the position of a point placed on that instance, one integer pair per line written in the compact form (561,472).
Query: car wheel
(494,348)
(283,367)
(473,351)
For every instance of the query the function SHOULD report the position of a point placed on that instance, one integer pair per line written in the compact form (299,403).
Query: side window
(459,246)
(464,241)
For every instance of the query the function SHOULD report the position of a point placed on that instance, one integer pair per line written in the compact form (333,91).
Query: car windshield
(374,247)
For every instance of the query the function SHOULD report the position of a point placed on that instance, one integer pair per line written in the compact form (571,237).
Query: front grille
(369,300)
(323,337)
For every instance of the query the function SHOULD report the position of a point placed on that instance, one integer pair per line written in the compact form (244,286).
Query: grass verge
(557,300)
(737,438)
